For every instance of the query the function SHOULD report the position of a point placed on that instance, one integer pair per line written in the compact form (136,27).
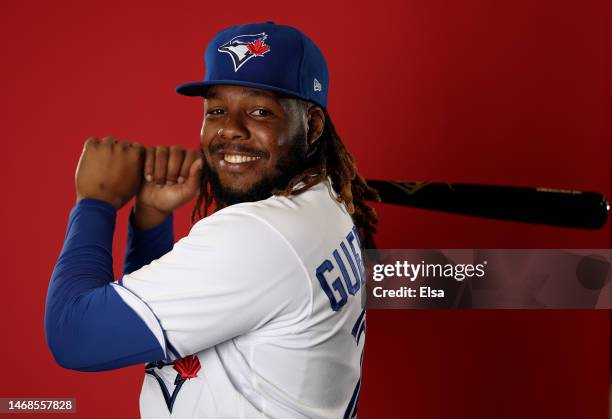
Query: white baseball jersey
(268,296)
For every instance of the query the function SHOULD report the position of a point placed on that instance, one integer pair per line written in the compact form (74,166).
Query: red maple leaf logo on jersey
(188,367)
(258,47)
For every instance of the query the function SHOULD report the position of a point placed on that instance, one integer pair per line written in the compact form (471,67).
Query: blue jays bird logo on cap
(244,47)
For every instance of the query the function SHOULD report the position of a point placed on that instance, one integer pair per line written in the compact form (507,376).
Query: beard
(287,167)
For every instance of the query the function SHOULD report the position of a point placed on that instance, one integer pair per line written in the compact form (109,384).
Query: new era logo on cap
(244,47)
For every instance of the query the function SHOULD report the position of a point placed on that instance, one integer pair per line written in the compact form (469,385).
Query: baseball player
(258,311)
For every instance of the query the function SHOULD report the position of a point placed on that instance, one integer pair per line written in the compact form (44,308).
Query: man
(257,312)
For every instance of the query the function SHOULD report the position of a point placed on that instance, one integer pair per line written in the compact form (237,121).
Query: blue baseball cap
(266,56)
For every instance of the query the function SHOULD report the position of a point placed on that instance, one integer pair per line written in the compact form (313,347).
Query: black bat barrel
(588,210)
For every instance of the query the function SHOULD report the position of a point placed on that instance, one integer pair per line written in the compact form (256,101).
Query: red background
(503,92)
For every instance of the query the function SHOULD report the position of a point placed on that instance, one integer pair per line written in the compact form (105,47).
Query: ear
(316,122)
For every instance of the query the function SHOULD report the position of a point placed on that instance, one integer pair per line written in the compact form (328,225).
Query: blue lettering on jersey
(351,281)
(327,266)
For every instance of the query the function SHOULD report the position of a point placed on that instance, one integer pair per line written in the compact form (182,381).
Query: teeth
(236,158)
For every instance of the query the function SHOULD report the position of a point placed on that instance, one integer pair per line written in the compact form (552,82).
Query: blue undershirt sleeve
(145,246)
(88,325)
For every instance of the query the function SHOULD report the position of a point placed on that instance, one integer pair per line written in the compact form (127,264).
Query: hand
(172,178)
(109,170)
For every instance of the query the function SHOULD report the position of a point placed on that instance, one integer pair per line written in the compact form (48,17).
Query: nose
(233,129)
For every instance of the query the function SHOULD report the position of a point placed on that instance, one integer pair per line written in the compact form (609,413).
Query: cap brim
(199,88)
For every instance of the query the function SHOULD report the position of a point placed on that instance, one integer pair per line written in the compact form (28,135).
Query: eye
(261,112)
(215,112)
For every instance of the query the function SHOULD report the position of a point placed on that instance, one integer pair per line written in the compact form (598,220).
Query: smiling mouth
(239,158)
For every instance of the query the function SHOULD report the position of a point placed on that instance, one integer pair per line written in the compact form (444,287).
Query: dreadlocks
(327,158)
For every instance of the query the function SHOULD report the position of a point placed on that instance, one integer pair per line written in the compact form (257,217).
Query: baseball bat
(557,207)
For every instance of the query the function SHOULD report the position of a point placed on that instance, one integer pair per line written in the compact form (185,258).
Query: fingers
(161,165)
(137,151)
(137,147)
(109,170)
(175,162)
(193,181)
(190,157)
(90,142)
(149,167)
(168,165)
(111,144)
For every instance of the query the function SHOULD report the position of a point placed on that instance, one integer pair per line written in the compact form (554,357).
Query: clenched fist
(172,178)
(109,170)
